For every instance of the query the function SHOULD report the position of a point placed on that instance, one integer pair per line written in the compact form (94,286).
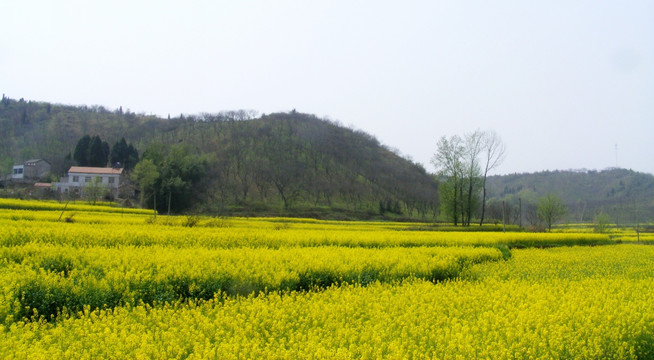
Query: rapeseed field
(99,282)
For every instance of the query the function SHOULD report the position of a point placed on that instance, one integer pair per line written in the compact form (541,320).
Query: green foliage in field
(34,205)
(52,278)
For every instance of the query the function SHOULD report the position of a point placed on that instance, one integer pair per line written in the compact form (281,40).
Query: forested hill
(626,195)
(281,162)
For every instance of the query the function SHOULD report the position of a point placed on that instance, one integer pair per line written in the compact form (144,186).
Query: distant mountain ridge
(626,195)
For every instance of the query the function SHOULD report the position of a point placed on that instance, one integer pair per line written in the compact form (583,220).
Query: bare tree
(531,215)
(494,151)
(474,143)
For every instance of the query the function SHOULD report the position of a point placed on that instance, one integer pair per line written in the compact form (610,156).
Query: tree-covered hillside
(626,196)
(30,129)
(251,164)
(238,162)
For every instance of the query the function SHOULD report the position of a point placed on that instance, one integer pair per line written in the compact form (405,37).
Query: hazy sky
(562,82)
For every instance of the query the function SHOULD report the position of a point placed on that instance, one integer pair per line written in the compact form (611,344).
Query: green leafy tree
(172,185)
(98,152)
(146,175)
(551,209)
(602,223)
(448,160)
(178,171)
(106,150)
(91,151)
(81,153)
(132,157)
(118,152)
(450,199)
(124,154)
(472,174)
(94,190)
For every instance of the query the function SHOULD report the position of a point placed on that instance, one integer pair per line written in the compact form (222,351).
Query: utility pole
(520,211)
(503,217)
(637,221)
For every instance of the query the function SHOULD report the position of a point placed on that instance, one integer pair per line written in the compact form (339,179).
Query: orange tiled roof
(95,170)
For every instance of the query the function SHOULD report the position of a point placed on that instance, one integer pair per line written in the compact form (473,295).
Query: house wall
(78,181)
(84,179)
(18,172)
(31,170)
(37,169)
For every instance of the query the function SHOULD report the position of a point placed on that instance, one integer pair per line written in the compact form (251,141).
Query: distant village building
(79,177)
(42,189)
(33,169)
(18,172)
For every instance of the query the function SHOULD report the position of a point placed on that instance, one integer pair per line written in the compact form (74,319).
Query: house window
(75,178)
(87,179)
(111,180)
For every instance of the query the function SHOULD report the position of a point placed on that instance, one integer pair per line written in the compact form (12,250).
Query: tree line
(623,196)
(93,151)
(169,173)
(463,164)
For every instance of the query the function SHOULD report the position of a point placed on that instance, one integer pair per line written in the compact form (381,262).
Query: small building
(80,177)
(43,190)
(18,172)
(33,169)
(37,169)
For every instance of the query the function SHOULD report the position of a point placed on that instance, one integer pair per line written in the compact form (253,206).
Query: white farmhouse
(80,177)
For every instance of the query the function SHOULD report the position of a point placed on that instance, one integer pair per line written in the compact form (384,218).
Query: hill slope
(290,161)
(626,196)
